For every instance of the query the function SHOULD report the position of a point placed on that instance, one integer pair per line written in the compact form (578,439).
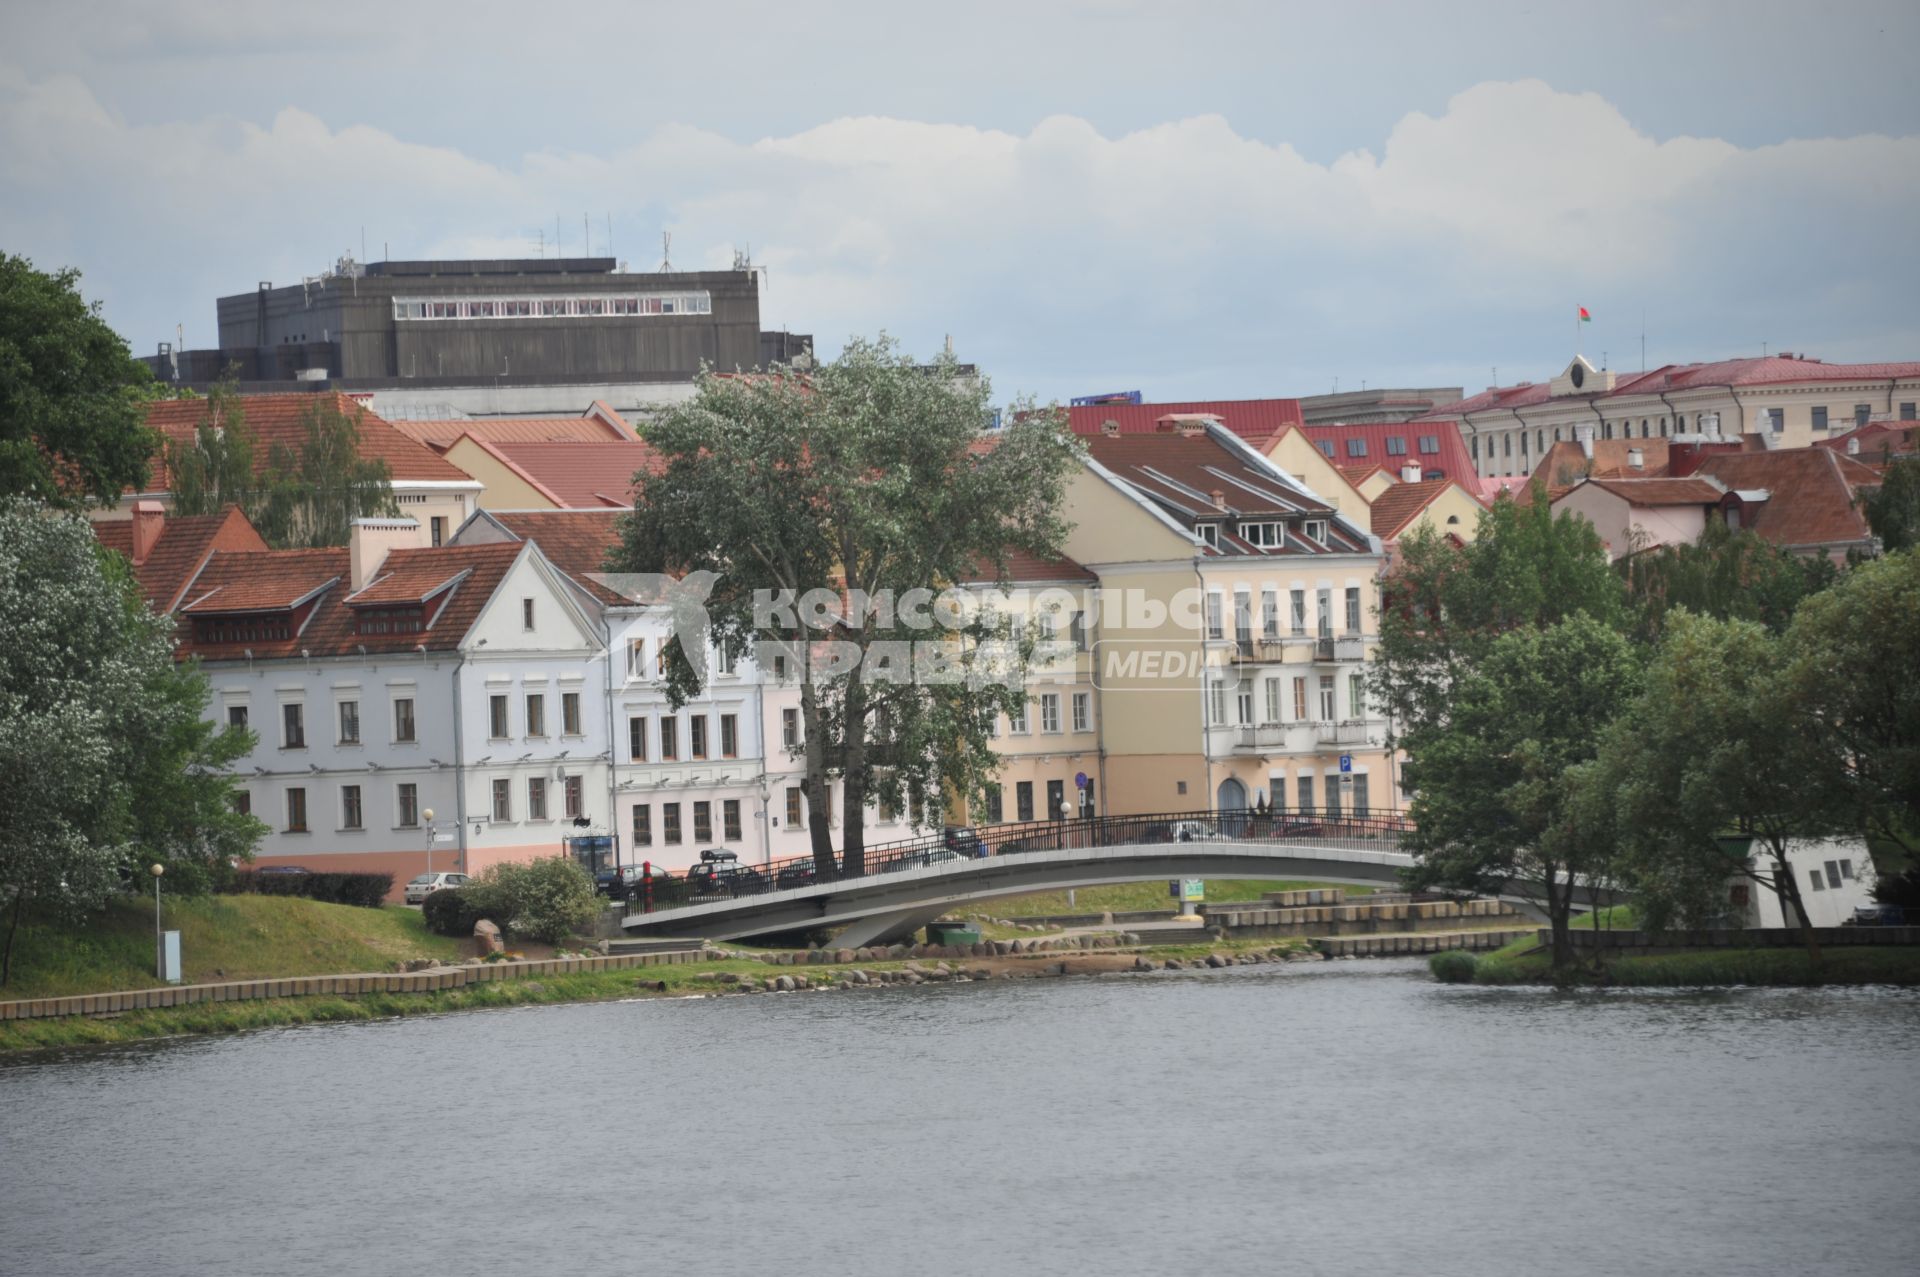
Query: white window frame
(1082,711)
(1050,713)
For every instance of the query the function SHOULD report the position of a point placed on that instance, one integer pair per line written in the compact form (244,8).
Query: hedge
(369,891)
(452,911)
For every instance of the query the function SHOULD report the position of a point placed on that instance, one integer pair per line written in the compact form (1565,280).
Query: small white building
(1835,877)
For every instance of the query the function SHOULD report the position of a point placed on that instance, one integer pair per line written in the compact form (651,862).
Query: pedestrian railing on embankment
(1638,944)
(431,980)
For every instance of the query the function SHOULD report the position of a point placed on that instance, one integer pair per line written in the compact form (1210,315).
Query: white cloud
(1176,248)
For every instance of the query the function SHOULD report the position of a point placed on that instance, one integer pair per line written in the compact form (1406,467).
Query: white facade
(1835,877)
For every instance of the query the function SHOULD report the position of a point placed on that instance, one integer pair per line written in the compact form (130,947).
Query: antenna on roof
(666,259)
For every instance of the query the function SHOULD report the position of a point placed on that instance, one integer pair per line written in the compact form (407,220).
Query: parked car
(963,839)
(921,859)
(283,869)
(426,884)
(626,881)
(720,873)
(798,874)
(1193,831)
(1877,916)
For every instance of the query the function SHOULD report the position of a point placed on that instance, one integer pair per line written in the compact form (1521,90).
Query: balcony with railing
(1351,732)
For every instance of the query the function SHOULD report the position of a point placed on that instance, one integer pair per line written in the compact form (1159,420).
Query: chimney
(1410,473)
(149,521)
(1219,499)
(371,540)
(1186,424)
(1583,433)
(1636,459)
(1110,428)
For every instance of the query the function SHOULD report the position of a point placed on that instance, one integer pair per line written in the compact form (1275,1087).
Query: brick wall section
(1639,944)
(330,985)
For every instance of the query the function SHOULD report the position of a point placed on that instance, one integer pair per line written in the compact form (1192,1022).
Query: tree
(866,479)
(1848,663)
(1716,750)
(72,417)
(105,755)
(1497,779)
(1729,573)
(215,468)
(1893,508)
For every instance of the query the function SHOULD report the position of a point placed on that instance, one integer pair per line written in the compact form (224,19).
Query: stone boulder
(487,938)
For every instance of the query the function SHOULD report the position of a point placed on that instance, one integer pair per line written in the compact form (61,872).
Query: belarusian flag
(1585,318)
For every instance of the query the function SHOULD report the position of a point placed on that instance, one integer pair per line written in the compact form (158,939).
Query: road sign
(1346,762)
(443,837)
(1080,780)
(1193,889)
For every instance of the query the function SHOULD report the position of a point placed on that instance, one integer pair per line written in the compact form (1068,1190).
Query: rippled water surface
(1349,1117)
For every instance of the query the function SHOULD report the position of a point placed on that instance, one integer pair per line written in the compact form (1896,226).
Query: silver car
(426,884)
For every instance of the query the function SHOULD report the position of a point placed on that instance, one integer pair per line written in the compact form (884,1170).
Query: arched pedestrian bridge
(909,884)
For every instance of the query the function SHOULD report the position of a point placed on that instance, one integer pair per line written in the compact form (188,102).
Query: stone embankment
(1032,964)
(1417,943)
(1326,912)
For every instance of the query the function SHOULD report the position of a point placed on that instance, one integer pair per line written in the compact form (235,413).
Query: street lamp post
(159,939)
(432,833)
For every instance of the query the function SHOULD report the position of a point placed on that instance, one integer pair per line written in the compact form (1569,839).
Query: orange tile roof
(575,541)
(581,475)
(1402,503)
(441,435)
(1810,494)
(185,542)
(1022,566)
(279,419)
(263,580)
(1655,492)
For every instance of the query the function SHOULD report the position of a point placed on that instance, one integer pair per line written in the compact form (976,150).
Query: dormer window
(1210,533)
(1356,447)
(390,620)
(259,627)
(1266,535)
(1317,531)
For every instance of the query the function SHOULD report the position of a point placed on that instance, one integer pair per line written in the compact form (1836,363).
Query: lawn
(1123,897)
(222,938)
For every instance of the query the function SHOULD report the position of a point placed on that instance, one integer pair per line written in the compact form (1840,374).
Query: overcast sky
(1196,200)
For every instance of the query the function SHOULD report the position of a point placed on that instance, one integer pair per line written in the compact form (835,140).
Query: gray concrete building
(1387,404)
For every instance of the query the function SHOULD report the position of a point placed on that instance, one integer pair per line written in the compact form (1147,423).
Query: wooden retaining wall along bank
(1641,944)
(1411,945)
(429,981)
(1290,914)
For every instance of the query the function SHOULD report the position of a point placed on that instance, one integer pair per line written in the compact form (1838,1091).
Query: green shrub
(1455,966)
(451,911)
(369,891)
(547,899)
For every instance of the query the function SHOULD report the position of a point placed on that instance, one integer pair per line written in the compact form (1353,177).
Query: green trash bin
(952,933)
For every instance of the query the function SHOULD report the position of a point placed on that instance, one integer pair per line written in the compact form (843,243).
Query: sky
(1201,200)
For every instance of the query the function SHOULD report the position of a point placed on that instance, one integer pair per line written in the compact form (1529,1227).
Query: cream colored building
(1787,401)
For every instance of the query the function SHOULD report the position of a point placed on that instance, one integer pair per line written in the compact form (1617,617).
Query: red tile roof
(575,541)
(1402,503)
(1181,473)
(1876,439)
(581,475)
(1248,418)
(183,546)
(1773,370)
(441,435)
(1657,492)
(1449,457)
(280,419)
(1810,494)
(1024,567)
(263,580)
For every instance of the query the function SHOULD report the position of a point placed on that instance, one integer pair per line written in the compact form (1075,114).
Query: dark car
(798,874)
(720,873)
(963,839)
(1877,916)
(283,869)
(626,882)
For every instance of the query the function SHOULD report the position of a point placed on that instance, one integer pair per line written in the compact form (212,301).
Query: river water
(1344,1117)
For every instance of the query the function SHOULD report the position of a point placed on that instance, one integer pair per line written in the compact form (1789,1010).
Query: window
(636,658)
(730,819)
(637,739)
(570,713)
(1316,530)
(574,798)
(1273,700)
(537,714)
(1017,721)
(439,525)
(1215,618)
(780,666)
(1245,702)
(1209,533)
(1862,414)
(1305,786)
(703,821)
(1056,799)
(670,823)
(729,736)
(1396,446)
(406,801)
(669,738)
(1270,613)
(403,720)
(1819,883)
(349,722)
(1907,411)
(497,717)
(790,728)
(241,801)
(296,810)
(996,805)
(1082,712)
(1263,534)
(1217,702)
(537,798)
(1327,711)
(1430,445)
(643,824)
(722,661)
(526,614)
(350,807)
(1325,599)
(1777,420)
(1360,799)
(793,806)
(1023,800)
(1333,797)
(697,735)
(660,658)
(1473,447)
(1050,712)
(293,725)
(1846,870)
(503,800)
(1353,609)
(1820,418)
(1326,447)
(1299,700)
(1356,447)
(1299,599)
(237,716)
(1243,618)
(1506,444)
(1833,874)
(1356,696)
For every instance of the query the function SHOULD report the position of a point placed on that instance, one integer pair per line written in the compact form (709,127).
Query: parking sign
(1346,762)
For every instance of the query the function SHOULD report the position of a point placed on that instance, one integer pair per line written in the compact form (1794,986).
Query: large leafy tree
(106,759)
(1716,754)
(1892,510)
(866,476)
(1730,573)
(72,418)
(1497,779)
(214,468)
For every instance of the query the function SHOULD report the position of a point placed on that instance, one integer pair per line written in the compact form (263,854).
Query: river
(1344,1117)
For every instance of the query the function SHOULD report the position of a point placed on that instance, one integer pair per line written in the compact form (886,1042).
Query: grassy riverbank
(1524,962)
(222,938)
